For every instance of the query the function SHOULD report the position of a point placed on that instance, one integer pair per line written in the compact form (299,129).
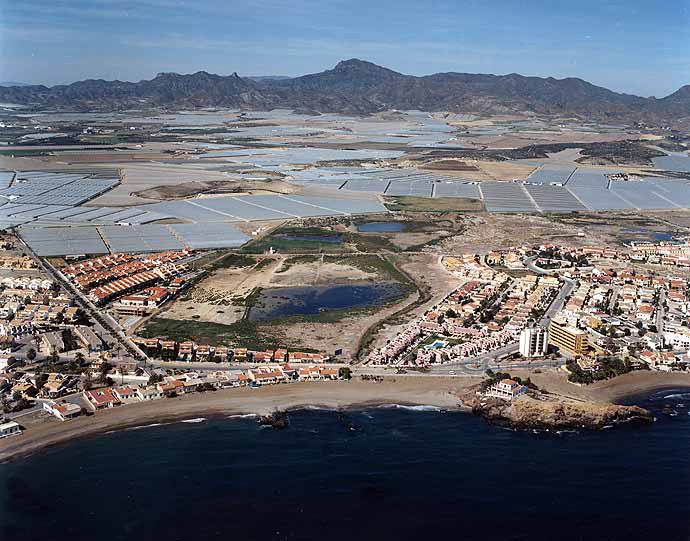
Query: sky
(633,46)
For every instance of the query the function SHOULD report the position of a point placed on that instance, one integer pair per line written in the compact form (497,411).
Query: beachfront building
(149,393)
(534,342)
(8,429)
(267,375)
(101,398)
(63,411)
(506,389)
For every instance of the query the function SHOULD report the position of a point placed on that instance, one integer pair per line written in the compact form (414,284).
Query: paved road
(105,325)
(481,362)
(660,313)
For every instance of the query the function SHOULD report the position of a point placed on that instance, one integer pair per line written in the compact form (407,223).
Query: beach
(441,392)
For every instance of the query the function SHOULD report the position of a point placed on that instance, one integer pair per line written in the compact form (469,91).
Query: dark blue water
(311,300)
(381,227)
(655,236)
(328,239)
(403,475)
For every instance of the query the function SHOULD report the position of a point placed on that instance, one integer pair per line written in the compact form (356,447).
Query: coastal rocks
(558,413)
(278,419)
(347,422)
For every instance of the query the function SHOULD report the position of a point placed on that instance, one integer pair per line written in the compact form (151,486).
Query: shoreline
(239,401)
(443,393)
(629,386)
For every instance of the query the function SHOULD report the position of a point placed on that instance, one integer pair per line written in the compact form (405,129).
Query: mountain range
(358,87)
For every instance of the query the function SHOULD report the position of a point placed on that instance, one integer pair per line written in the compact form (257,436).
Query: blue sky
(640,47)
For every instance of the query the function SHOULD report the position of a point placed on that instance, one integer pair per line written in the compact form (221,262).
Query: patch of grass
(278,242)
(232,261)
(371,243)
(242,333)
(412,203)
(263,263)
(375,264)
(297,260)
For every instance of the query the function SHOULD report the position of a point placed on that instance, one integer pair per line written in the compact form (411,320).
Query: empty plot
(456,189)
(506,197)
(199,236)
(553,198)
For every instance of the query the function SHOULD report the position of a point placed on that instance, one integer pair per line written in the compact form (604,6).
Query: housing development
(158,255)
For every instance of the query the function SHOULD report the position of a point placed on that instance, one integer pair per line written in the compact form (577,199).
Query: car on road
(451,372)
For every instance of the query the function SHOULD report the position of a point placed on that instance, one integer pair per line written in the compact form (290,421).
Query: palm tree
(31,354)
(79,358)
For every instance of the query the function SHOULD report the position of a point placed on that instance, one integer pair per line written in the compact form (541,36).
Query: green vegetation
(495,377)
(242,333)
(263,263)
(344,372)
(371,243)
(424,296)
(609,367)
(232,261)
(425,204)
(290,239)
(380,265)
(297,260)
(278,241)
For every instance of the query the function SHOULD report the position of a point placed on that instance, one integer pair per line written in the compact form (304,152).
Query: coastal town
(592,312)
(587,306)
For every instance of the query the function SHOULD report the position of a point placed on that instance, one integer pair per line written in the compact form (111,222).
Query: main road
(489,359)
(108,328)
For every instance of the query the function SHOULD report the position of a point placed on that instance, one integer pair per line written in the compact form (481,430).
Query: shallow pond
(640,233)
(311,300)
(381,227)
(330,239)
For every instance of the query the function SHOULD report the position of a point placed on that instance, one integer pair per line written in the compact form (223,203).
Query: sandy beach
(440,392)
(409,390)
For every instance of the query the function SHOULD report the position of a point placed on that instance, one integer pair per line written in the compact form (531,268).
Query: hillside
(356,86)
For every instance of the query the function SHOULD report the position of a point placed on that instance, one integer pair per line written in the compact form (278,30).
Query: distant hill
(9,83)
(267,77)
(360,87)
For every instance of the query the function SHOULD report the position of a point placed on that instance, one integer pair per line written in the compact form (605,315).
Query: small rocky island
(277,419)
(511,403)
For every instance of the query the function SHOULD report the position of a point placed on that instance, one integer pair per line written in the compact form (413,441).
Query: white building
(680,339)
(7,429)
(534,342)
(506,389)
(63,411)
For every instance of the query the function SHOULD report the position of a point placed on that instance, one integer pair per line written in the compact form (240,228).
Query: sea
(384,473)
